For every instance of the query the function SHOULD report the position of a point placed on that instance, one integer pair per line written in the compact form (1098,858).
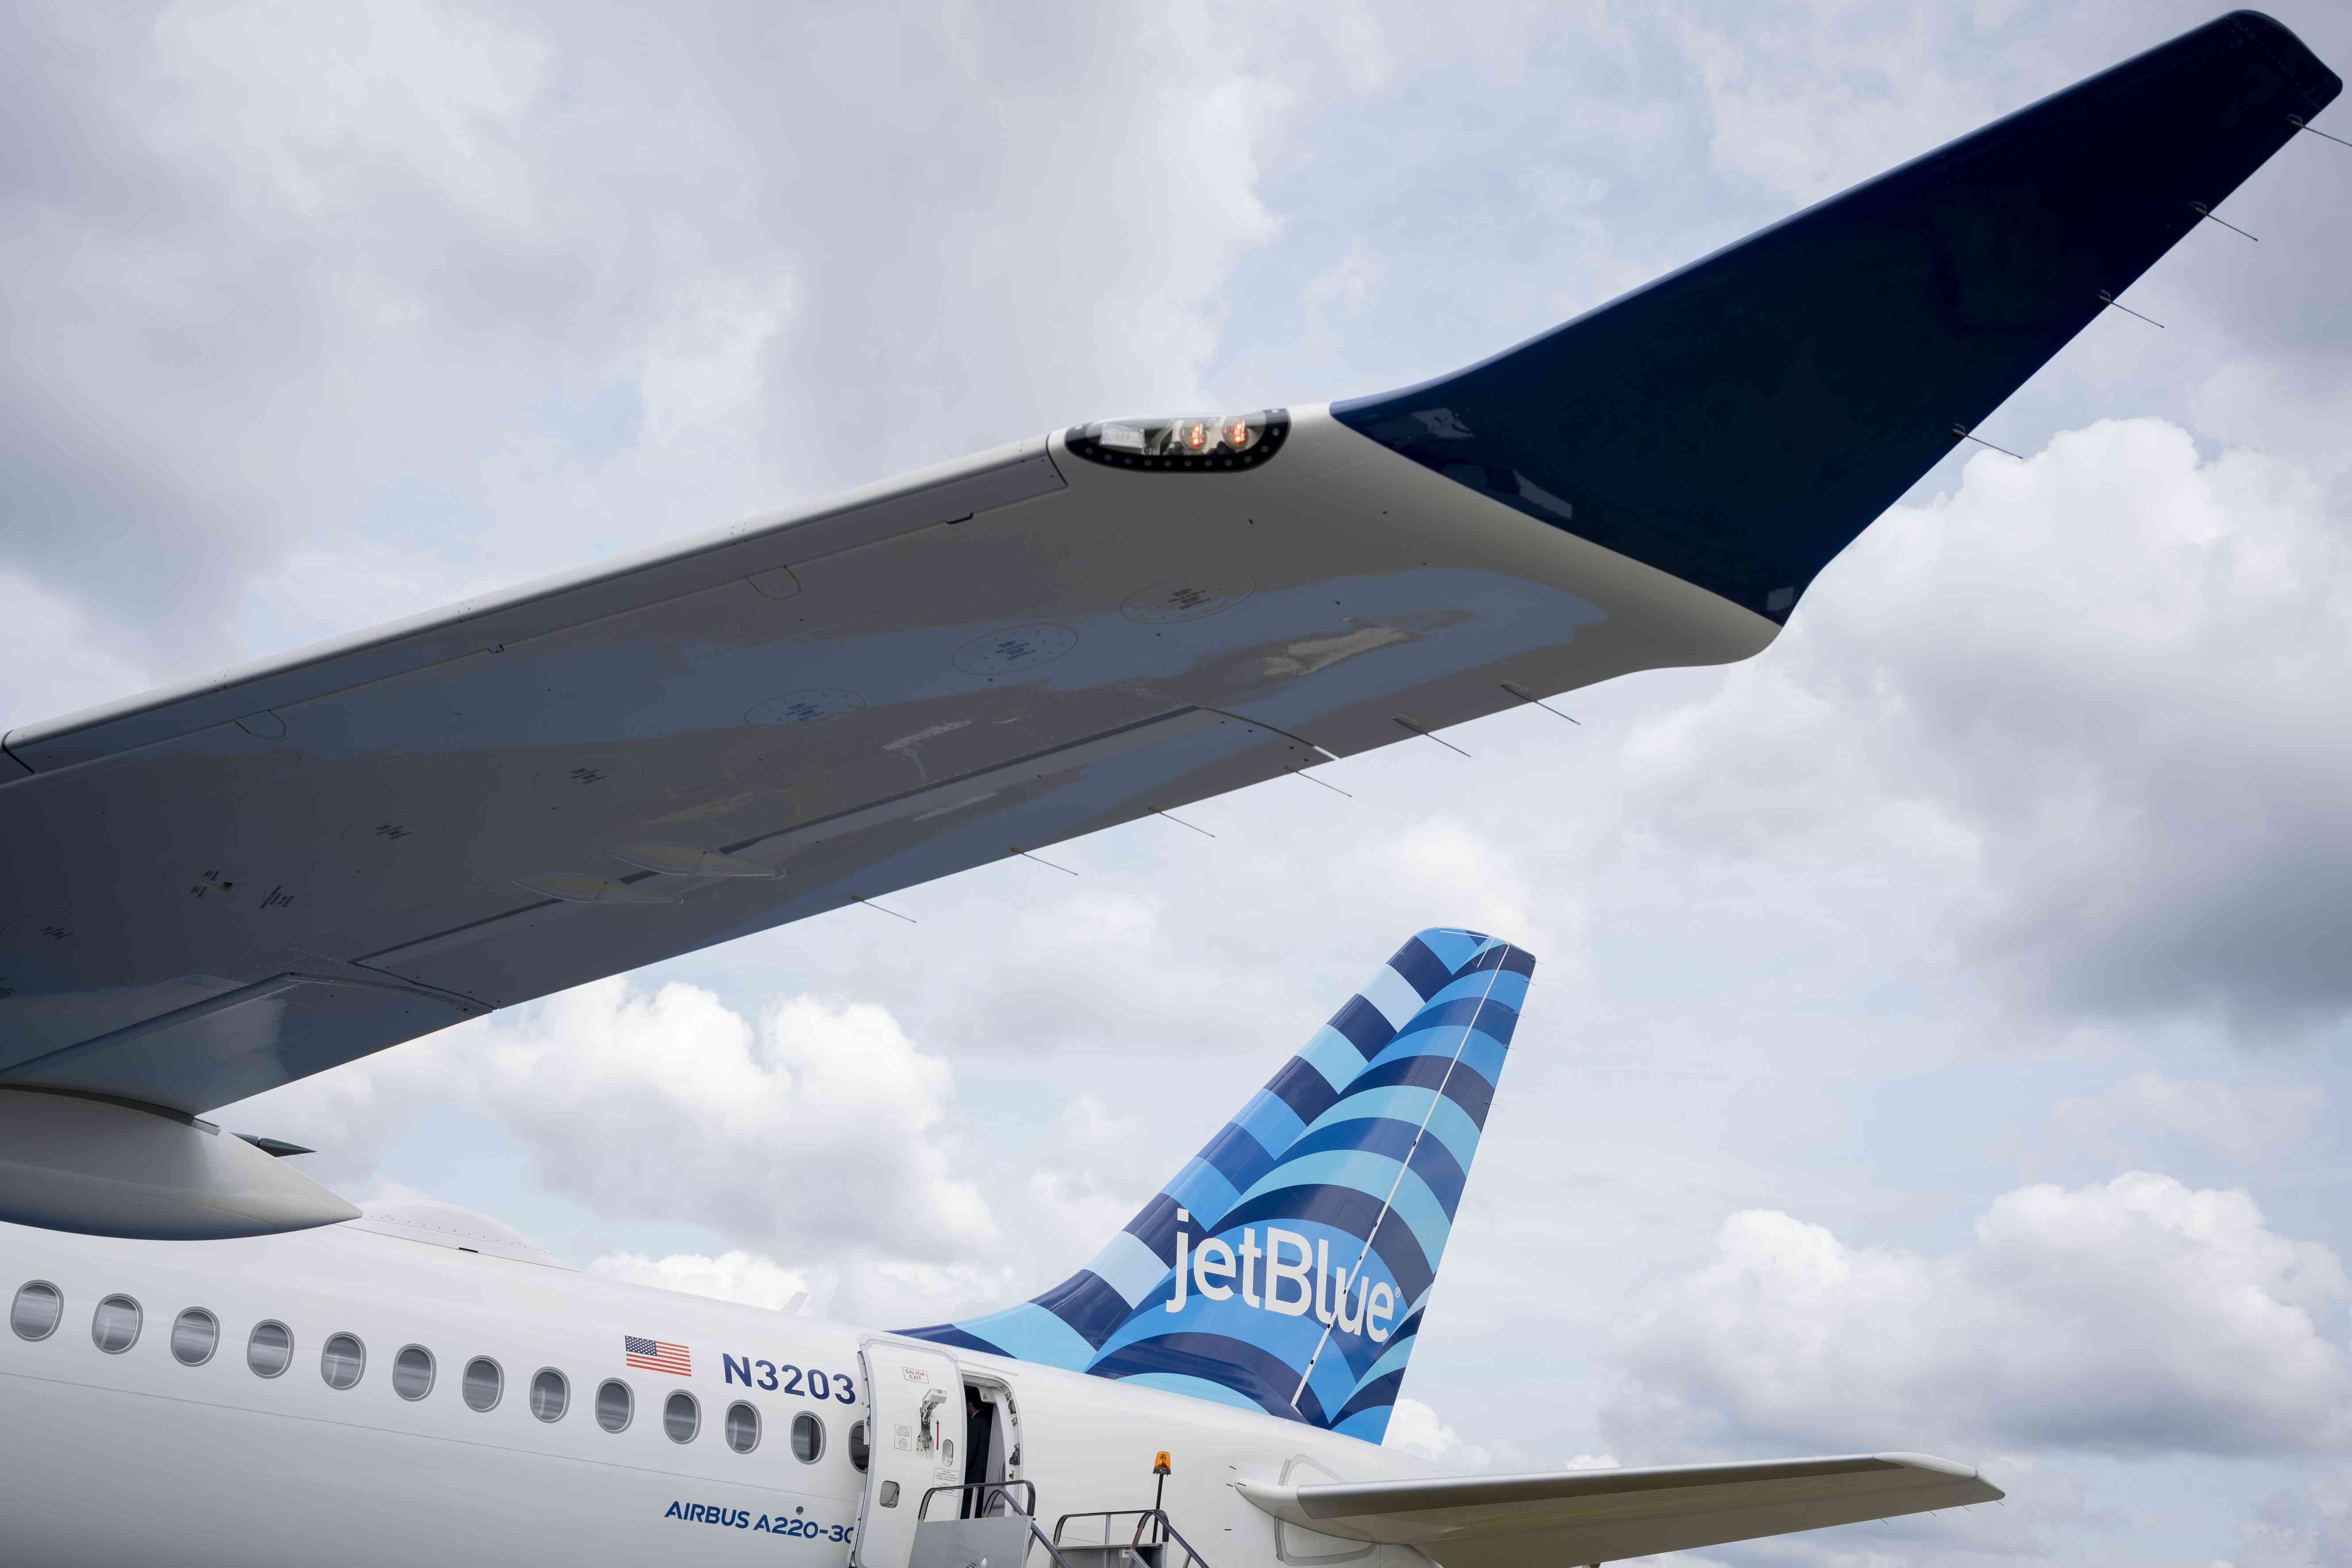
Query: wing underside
(218,889)
(1560,1518)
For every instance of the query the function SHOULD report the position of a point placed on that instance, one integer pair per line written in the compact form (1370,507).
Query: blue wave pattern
(1286,1267)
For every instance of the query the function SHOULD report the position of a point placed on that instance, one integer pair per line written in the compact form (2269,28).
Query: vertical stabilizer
(1286,1266)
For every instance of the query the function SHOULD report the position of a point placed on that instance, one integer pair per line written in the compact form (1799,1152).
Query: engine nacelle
(114,1167)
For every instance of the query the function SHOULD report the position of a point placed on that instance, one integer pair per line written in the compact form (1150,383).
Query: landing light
(1195,443)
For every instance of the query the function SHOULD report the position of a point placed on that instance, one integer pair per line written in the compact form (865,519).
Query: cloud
(1084,1175)
(2086,703)
(2309,1529)
(52,656)
(2248,1126)
(816,1136)
(2137,1318)
(305,308)
(819,1125)
(1415,1428)
(738,1276)
(858,1289)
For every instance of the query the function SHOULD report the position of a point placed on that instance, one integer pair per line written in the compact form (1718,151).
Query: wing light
(1193,443)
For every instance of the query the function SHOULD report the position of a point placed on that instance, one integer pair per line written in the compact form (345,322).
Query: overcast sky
(1936,1037)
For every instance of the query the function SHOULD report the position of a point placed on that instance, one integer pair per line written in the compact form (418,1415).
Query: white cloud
(1805,107)
(738,1276)
(860,1288)
(2248,1126)
(53,657)
(2073,724)
(1415,1428)
(821,1124)
(291,286)
(1084,1183)
(2310,1529)
(2139,1316)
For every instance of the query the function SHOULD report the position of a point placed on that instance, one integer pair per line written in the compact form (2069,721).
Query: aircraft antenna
(1405,1164)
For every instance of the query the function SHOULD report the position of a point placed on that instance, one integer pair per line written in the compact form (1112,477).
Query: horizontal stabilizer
(1596,1516)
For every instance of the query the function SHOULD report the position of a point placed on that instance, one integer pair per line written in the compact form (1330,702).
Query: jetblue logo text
(1298,1280)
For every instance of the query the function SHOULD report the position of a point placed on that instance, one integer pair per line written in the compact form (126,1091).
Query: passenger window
(857,1453)
(36,1311)
(484,1383)
(114,1327)
(195,1335)
(742,1428)
(614,1405)
(342,1359)
(808,1438)
(681,1417)
(271,1349)
(412,1372)
(550,1395)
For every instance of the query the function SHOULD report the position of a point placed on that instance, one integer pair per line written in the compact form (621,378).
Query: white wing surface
(1563,1517)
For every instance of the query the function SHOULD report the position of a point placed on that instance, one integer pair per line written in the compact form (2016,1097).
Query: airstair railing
(1157,1519)
(995,1499)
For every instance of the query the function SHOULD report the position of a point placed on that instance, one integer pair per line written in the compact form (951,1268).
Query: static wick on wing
(1182,823)
(892,913)
(1064,871)
(2201,210)
(1310,778)
(2316,130)
(1425,735)
(1524,695)
(1964,434)
(2108,298)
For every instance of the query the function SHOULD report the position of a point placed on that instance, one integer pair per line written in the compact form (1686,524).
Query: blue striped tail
(1286,1267)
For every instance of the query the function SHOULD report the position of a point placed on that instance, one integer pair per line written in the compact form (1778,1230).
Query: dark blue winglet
(1739,422)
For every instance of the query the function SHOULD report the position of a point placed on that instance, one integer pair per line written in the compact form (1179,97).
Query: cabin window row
(39,1307)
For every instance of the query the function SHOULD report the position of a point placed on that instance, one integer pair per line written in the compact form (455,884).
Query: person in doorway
(976,1415)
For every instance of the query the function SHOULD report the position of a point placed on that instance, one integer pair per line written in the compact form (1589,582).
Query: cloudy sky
(1937,1040)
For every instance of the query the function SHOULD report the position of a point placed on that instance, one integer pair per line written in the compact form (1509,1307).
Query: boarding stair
(1000,1531)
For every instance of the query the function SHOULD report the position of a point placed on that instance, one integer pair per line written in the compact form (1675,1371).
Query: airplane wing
(1739,422)
(214,889)
(1562,1518)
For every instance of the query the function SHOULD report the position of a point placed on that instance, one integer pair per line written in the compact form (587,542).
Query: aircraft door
(916,1421)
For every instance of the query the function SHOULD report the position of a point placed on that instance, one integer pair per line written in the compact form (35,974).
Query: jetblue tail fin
(1286,1266)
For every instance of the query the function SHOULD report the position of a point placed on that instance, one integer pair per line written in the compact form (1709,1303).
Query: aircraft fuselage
(134,1457)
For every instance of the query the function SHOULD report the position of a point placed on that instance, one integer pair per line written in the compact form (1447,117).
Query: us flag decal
(656,1355)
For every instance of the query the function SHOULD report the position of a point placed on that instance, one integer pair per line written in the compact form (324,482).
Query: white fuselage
(134,1457)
